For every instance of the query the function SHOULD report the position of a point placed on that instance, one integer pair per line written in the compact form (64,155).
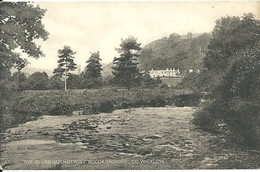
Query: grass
(35,103)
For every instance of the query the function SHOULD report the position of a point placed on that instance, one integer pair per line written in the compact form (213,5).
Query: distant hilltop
(182,52)
(28,70)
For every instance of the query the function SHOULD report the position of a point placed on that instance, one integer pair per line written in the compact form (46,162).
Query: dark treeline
(125,72)
(41,81)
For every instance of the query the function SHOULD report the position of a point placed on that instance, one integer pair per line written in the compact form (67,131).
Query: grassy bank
(32,104)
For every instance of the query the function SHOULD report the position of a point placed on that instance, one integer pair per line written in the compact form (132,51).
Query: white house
(164,73)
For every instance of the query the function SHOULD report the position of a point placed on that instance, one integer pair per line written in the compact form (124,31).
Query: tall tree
(92,75)
(125,71)
(20,24)
(38,81)
(229,35)
(66,64)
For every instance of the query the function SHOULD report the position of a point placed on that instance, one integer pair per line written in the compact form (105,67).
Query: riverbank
(135,138)
(32,104)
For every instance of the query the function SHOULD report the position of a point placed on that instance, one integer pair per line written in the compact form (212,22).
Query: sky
(99,26)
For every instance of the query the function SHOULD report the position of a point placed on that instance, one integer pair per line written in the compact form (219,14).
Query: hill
(107,70)
(179,51)
(30,70)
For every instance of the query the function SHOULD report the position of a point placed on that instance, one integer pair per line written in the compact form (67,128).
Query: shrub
(61,109)
(243,120)
(16,113)
(158,101)
(205,119)
(163,86)
(187,100)
(106,106)
(34,103)
(233,62)
(236,100)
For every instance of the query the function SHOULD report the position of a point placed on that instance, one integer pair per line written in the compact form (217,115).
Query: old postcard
(129,85)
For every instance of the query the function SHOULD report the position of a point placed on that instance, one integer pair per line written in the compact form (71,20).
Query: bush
(236,100)
(16,113)
(61,109)
(58,102)
(187,100)
(243,120)
(205,119)
(34,103)
(233,62)
(158,101)
(106,106)
(238,120)
(205,81)
(148,82)
(163,86)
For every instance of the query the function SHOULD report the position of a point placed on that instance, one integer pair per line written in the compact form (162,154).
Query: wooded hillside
(183,52)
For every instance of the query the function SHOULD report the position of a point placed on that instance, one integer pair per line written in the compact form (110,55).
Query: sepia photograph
(129,85)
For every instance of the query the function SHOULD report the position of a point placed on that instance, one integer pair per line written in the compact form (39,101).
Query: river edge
(135,138)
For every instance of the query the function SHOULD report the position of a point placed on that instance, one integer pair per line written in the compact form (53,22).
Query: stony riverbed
(137,138)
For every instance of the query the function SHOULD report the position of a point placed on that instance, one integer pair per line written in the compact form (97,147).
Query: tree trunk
(65,79)
(65,83)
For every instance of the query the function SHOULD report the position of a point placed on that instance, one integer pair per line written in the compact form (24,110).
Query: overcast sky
(99,26)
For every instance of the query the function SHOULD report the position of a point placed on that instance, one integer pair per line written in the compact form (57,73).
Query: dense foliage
(37,81)
(66,64)
(234,58)
(125,71)
(55,83)
(204,81)
(181,52)
(92,76)
(20,25)
(19,80)
(35,103)
(148,82)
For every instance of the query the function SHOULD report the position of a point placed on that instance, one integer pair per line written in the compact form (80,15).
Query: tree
(55,83)
(233,59)
(107,80)
(66,64)
(148,82)
(125,71)
(189,35)
(20,25)
(230,35)
(92,75)
(236,99)
(74,82)
(38,81)
(174,52)
(205,81)
(19,79)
